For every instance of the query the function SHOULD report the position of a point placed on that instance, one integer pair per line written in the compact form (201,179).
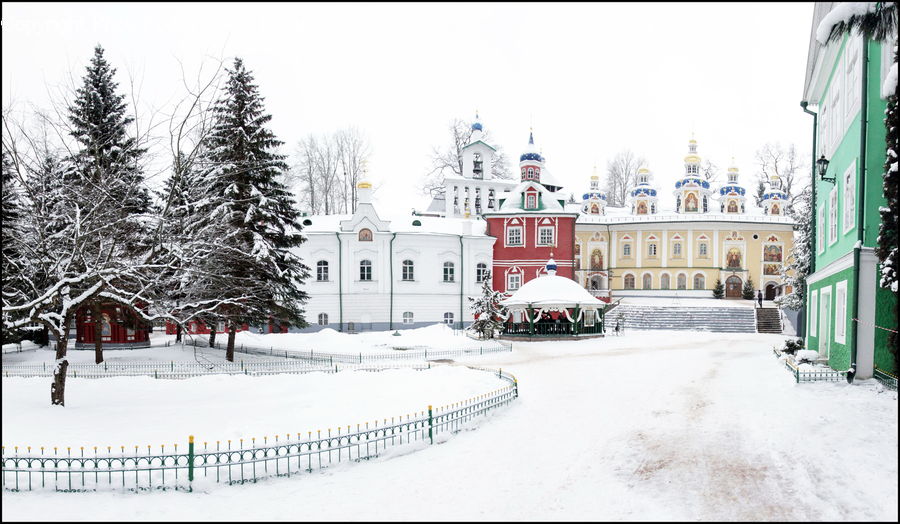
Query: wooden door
(733,287)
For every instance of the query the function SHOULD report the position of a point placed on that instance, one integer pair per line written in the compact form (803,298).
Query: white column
(638,249)
(665,248)
(690,248)
(716,261)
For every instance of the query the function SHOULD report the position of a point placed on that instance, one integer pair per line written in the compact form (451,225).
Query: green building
(845,307)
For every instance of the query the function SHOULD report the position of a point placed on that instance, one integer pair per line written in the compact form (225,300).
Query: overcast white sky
(592,79)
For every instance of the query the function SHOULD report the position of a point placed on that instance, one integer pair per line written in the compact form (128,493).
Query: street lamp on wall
(822,166)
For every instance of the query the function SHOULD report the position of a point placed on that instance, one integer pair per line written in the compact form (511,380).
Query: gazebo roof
(552,290)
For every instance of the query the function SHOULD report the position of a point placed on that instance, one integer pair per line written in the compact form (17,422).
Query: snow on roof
(549,200)
(552,290)
(623,215)
(401,223)
(842,13)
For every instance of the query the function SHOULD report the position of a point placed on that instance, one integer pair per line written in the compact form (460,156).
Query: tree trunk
(98,332)
(178,333)
(212,335)
(232,331)
(58,387)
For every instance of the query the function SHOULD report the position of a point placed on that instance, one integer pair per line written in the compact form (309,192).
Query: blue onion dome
(476,126)
(725,190)
(551,264)
(692,181)
(647,191)
(594,195)
(531,151)
(774,191)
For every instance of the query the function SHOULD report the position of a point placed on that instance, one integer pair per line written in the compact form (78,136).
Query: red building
(121,328)
(531,226)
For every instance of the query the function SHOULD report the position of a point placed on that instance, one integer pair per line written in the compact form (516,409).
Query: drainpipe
(340,284)
(812,258)
(391,313)
(860,212)
(462,278)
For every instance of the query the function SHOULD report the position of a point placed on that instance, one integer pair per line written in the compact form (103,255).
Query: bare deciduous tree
(448,161)
(327,169)
(621,175)
(773,159)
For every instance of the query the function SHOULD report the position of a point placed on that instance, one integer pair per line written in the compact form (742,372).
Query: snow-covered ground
(647,426)
(222,407)
(691,302)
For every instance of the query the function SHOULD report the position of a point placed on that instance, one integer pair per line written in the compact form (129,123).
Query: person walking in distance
(759,297)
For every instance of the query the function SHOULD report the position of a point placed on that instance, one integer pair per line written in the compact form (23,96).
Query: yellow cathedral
(711,234)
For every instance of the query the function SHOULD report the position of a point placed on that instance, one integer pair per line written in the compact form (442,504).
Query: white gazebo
(553,306)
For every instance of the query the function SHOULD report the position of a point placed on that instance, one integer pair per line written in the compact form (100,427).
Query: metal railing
(550,329)
(886,379)
(237,462)
(401,354)
(182,370)
(811,375)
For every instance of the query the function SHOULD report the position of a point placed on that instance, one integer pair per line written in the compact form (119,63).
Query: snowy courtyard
(649,425)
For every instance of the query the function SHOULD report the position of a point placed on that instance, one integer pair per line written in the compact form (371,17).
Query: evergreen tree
(747,290)
(718,289)
(488,311)
(243,176)
(890,213)
(10,219)
(801,252)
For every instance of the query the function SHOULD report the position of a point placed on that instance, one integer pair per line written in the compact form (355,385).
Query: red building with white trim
(531,225)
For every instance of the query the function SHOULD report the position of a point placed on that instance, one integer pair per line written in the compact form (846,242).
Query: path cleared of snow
(658,425)
(692,302)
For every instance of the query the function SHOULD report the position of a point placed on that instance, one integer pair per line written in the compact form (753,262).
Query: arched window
(323,319)
(629,281)
(407,317)
(682,281)
(365,235)
(664,281)
(417,222)
(647,281)
(322,271)
(676,249)
(448,271)
(408,270)
(699,281)
(365,270)
(448,318)
(626,250)
(481,272)
(530,172)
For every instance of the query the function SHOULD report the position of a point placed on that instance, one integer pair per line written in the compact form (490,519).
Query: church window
(322,271)
(481,272)
(682,281)
(629,281)
(651,249)
(626,250)
(514,236)
(323,319)
(699,281)
(597,260)
(545,236)
(407,317)
(513,281)
(676,249)
(849,199)
(365,270)
(664,281)
(692,169)
(832,216)
(448,318)
(647,281)
(408,271)
(448,271)
(531,173)
(702,249)
(365,235)
(531,201)
(705,204)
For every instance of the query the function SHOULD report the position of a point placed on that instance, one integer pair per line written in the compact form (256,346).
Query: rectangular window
(824,115)
(851,67)
(813,312)
(832,216)
(626,250)
(820,231)
(589,315)
(702,249)
(651,250)
(836,128)
(531,201)
(849,198)
(676,249)
(840,312)
(513,281)
(545,236)
(514,236)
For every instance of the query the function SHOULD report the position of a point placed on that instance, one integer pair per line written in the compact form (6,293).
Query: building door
(771,291)
(824,334)
(733,287)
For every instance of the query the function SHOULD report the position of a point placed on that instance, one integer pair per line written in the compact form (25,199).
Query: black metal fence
(886,379)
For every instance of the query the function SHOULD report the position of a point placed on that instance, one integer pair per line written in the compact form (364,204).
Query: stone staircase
(768,320)
(721,319)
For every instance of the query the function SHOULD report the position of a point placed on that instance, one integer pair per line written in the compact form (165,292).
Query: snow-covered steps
(725,319)
(768,320)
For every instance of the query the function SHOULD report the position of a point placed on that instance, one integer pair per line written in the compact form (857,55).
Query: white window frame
(702,250)
(703,278)
(322,271)
(412,271)
(509,233)
(322,317)
(644,278)
(448,318)
(408,317)
(835,96)
(676,249)
(633,278)
(588,317)
(369,266)
(820,230)
(626,250)
(481,270)
(513,278)
(448,276)
(813,320)
(832,215)
(851,59)
(849,181)
(678,280)
(531,201)
(546,229)
(651,249)
(840,312)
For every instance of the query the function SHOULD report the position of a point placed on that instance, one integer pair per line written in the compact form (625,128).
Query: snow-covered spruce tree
(718,289)
(107,171)
(254,264)
(488,311)
(797,268)
(890,214)
(747,291)
(12,214)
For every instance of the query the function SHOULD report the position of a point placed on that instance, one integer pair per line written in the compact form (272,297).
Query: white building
(368,273)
